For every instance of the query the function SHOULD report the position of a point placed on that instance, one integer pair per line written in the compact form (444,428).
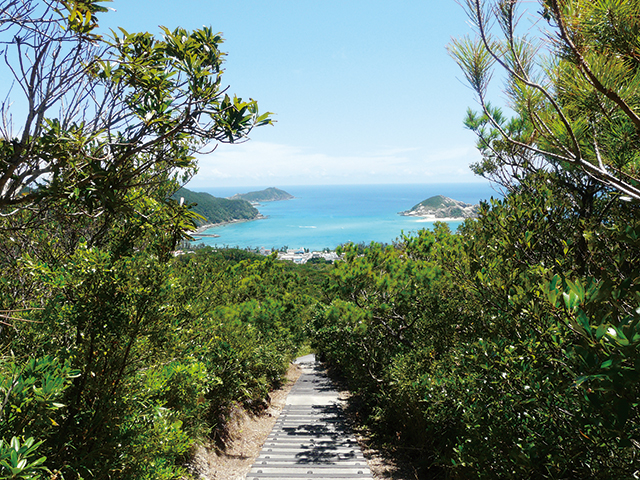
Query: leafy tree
(517,359)
(519,349)
(105,116)
(98,379)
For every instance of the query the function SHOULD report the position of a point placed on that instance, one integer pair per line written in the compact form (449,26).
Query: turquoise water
(329,215)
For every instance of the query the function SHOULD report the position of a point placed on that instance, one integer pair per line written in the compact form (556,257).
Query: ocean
(325,216)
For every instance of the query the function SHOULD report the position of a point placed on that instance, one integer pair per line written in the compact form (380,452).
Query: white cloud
(258,163)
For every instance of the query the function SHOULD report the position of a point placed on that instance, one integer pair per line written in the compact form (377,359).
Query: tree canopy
(573,86)
(510,348)
(106,115)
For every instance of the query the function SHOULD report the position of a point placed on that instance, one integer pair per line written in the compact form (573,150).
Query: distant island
(440,207)
(217,210)
(267,195)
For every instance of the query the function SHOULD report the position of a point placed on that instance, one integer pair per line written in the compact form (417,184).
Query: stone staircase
(310,439)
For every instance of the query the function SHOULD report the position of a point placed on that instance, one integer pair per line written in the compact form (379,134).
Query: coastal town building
(299,256)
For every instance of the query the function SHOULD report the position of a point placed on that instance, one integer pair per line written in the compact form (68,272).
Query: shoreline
(433,218)
(207,226)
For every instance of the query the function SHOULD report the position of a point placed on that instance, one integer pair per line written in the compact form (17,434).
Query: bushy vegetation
(115,358)
(507,350)
(511,349)
(128,359)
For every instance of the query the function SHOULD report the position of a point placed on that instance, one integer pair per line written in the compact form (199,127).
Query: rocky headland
(222,211)
(215,210)
(443,208)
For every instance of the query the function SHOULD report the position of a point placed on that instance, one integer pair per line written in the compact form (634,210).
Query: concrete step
(311,439)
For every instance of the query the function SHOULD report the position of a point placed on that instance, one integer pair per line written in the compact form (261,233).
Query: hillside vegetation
(271,194)
(508,349)
(215,209)
(116,358)
(511,348)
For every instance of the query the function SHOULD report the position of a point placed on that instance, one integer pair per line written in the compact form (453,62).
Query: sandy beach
(433,218)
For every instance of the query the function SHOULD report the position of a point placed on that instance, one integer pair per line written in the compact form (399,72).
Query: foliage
(149,356)
(16,459)
(509,349)
(114,357)
(129,107)
(576,108)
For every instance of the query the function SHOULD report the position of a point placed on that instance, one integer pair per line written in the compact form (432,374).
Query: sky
(362,91)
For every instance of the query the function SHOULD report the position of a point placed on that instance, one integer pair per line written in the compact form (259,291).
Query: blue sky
(362,91)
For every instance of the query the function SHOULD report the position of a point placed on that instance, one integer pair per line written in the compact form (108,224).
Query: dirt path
(247,434)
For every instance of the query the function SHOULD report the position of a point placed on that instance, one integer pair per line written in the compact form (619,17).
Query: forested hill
(215,209)
(267,195)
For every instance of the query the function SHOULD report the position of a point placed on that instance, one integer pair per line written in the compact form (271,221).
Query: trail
(310,439)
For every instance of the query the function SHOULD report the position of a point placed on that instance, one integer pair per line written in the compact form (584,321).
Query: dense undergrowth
(506,350)
(114,356)
(511,349)
(123,359)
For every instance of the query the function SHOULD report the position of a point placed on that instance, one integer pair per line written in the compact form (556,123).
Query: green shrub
(507,350)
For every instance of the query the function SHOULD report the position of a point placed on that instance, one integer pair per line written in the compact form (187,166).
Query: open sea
(325,216)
